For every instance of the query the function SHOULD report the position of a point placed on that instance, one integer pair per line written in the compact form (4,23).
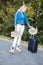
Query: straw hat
(33,30)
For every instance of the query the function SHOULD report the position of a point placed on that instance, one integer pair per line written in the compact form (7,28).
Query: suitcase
(33,44)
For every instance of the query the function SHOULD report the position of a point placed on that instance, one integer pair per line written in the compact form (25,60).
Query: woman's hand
(15,29)
(30,26)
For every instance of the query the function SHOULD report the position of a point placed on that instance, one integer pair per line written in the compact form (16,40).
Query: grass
(9,38)
(5,37)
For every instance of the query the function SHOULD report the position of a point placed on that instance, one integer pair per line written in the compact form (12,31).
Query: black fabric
(33,44)
(12,47)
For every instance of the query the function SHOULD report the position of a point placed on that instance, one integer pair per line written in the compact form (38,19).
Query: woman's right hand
(15,29)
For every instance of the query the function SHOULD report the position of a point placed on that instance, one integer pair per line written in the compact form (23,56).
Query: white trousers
(17,40)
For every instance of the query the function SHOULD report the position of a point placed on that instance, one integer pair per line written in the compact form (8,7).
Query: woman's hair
(22,7)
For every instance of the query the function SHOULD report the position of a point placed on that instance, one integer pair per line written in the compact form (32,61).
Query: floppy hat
(33,31)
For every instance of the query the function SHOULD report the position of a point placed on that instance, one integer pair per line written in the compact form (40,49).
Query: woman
(19,21)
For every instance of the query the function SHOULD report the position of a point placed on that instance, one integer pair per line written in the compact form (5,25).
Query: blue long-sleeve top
(20,18)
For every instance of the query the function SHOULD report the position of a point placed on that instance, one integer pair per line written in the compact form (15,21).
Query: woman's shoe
(18,49)
(11,51)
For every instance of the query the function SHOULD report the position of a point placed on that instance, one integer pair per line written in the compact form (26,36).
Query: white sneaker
(11,51)
(18,49)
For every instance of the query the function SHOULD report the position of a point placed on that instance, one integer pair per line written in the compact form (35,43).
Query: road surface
(23,58)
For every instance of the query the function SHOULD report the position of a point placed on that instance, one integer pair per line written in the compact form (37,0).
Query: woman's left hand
(30,26)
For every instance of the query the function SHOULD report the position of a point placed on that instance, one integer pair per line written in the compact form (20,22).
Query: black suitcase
(33,44)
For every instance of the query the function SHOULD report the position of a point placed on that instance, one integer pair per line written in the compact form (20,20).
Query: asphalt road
(23,58)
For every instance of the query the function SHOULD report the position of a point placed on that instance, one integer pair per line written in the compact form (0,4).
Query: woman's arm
(27,22)
(15,19)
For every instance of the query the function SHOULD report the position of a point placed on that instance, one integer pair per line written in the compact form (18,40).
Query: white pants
(17,40)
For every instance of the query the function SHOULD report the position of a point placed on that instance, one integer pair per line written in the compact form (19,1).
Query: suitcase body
(33,44)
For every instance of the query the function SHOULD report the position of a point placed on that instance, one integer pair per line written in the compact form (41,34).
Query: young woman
(19,21)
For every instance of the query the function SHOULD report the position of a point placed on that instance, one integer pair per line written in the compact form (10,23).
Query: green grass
(9,38)
(5,37)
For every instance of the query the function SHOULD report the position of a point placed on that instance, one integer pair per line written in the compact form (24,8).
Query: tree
(7,12)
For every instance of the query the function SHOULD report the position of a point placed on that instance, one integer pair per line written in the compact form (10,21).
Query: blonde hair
(22,7)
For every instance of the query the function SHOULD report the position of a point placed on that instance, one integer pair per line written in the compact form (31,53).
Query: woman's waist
(21,23)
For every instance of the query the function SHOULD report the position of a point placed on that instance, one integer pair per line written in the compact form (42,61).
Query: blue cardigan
(20,18)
